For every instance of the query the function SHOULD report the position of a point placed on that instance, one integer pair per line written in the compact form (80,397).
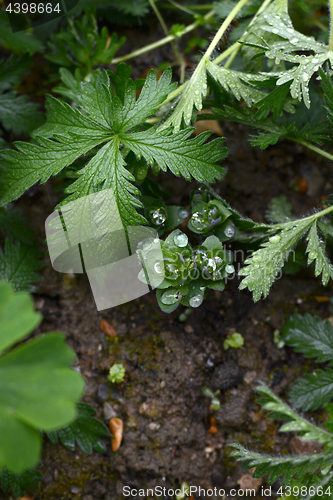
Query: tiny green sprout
(235,340)
(177,30)
(184,491)
(116,374)
(215,402)
(277,339)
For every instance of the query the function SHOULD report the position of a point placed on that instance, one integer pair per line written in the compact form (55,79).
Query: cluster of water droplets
(205,219)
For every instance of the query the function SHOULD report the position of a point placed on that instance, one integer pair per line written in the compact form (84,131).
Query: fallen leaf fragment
(116,427)
(204,125)
(107,328)
(322,298)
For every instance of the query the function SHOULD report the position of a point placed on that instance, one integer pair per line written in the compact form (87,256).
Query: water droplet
(198,221)
(312,255)
(275,239)
(196,300)
(290,30)
(157,215)
(230,230)
(314,60)
(180,240)
(183,213)
(196,92)
(275,31)
(158,267)
(304,77)
(170,297)
(293,40)
(229,268)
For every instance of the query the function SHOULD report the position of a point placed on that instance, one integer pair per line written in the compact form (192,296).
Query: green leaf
(31,163)
(19,483)
(263,266)
(327,86)
(279,210)
(38,390)
(21,42)
(237,83)
(316,252)
(15,225)
(274,101)
(108,112)
(88,432)
(15,326)
(18,263)
(18,114)
(310,335)
(306,65)
(107,167)
(313,391)
(188,158)
(287,466)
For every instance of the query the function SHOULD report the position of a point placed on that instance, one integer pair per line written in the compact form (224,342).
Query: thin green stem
(237,45)
(179,58)
(314,148)
(223,28)
(192,7)
(181,7)
(161,42)
(330,46)
(159,17)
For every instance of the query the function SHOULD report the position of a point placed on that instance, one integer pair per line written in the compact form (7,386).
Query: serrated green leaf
(18,114)
(194,92)
(31,163)
(316,252)
(18,263)
(20,42)
(88,432)
(14,225)
(310,335)
(313,391)
(19,483)
(279,210)
(264,264)
(188,158)
(237,83)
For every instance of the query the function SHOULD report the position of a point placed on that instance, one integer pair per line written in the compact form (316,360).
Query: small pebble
(107,328)
(108,411)
(188,329)
(154,426)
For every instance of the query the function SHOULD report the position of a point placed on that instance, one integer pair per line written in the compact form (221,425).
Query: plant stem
(208,52)
(161,42)
(237,46)
(330,46)
(223,28)
(181,7)
(179,58)
(314,148)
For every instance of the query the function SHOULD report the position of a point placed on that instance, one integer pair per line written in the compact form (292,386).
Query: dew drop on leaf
(180,240)
(196,300)
(230,230)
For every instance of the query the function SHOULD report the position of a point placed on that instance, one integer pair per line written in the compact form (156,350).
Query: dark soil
(166,416)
